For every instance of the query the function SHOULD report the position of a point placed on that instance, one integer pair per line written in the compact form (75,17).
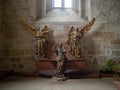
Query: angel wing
(87,27)
(29,27)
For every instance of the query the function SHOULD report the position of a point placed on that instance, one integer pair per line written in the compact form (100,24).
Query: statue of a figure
(74,37)
(42,41)
(61,60)
(75,45)
(42,36)
(42,47)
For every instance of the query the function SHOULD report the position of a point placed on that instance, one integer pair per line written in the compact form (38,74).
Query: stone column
(89,9)
(43,8)
(85,9)
(80,6)
(75,5)
(49,5)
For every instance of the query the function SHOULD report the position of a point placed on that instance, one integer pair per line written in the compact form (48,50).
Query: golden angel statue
(42,36)
(74,37)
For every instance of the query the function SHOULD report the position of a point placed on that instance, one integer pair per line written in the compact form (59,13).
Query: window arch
(82,7)
(62,4)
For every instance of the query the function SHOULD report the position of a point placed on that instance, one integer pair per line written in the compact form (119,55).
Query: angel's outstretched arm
(29,27)
(87,27)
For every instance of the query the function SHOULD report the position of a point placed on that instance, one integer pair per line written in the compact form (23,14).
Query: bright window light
(68,4)
(57,3)
(62,3)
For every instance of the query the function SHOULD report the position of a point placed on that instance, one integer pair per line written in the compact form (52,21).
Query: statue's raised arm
(28,27)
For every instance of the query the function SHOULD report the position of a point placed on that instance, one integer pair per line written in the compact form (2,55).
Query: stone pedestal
(50,64)
(47,68)
(59,79)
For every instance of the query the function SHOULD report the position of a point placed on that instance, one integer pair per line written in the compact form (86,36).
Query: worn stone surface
(106,10)
(37,83)
(18,47)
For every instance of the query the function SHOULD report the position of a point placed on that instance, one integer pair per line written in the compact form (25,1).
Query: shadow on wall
(97,45)
(89,52)
(50,53)
(92,45)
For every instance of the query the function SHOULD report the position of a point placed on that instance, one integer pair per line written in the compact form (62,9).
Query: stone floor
(37,83)
(59,15)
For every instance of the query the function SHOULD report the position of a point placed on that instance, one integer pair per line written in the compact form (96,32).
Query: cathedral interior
(59,44)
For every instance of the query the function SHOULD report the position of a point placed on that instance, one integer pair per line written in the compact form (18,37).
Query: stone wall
(106,35)
(2,33)
(49,5)
(1,15)
(100,43)
(17,41)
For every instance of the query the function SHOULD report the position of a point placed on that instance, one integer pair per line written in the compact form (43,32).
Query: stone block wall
(19,47)
(17,41)
(1,32)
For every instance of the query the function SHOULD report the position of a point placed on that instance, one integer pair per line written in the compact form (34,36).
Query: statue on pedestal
(42,42)
(42,36)
(61,60)
(74,37)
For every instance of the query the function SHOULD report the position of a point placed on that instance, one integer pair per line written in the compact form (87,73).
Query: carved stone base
(59,78)
(47,64)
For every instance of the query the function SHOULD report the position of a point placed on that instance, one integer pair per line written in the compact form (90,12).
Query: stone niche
(59,33)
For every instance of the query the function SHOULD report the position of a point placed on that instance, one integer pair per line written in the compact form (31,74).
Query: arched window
(62,4)
(82,9)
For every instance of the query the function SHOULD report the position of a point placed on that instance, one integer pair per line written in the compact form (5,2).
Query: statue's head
(72,28)
(46,27)
(77,29)
(60,44)
(39,33)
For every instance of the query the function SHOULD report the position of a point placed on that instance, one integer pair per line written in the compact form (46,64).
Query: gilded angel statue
(74,37)
(42,36)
